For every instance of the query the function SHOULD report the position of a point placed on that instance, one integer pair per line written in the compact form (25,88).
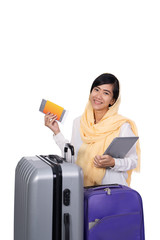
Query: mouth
(97,102)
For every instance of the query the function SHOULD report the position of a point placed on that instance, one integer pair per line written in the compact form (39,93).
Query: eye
(96,89)
(106,93)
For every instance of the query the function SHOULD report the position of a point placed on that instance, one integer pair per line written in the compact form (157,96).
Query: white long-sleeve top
(117,174)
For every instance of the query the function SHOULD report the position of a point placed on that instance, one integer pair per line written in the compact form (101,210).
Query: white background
(54,50)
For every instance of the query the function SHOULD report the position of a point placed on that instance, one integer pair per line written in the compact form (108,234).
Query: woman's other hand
(50,122)
(104,161)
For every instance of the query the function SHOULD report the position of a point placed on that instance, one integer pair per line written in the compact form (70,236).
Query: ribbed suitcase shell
(113,212)
(33,213)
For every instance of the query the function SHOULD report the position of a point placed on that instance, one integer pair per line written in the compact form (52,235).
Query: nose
(99,95)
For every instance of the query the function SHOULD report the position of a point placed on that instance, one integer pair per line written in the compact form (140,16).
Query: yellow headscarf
(97,137)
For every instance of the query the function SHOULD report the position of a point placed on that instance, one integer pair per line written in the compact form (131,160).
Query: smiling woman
(94,131)
(101,98)
(103,94)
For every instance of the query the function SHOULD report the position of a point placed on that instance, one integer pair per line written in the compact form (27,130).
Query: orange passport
(47,106)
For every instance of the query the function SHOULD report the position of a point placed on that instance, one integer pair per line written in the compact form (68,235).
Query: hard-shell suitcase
(113,212)
(48,199)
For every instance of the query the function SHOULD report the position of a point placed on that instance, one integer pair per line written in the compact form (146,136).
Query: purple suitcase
(113,212)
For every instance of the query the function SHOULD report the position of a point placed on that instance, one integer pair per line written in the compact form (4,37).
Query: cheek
(108,100)
(91,96)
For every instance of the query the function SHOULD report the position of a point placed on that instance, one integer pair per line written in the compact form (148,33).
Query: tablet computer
(120,146)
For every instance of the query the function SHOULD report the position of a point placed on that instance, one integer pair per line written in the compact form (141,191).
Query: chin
(98,108)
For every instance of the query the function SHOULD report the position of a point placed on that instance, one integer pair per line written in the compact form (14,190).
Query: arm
(117,164)
(75,139)
(130,160)
(61,141)
(51,123)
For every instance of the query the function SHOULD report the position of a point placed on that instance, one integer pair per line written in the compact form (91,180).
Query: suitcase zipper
(57,197)
(108,190)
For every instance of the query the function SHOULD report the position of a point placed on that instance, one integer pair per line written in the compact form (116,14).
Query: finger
(51,115)
(53,118)
(97,157)
(96,164)
(49,119)
(104,156)
(47,114)
(103,160)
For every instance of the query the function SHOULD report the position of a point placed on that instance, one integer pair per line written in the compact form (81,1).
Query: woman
(94,131)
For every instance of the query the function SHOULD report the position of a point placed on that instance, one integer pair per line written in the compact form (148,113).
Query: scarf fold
(97,137)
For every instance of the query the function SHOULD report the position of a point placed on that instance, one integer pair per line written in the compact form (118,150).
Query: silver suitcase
(48,199)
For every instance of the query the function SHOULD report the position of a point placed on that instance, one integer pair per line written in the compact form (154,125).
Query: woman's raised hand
(50,122)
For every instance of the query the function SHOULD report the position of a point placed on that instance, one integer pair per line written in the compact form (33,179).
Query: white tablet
(120,146)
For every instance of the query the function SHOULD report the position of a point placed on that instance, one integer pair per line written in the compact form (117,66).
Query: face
(101,97)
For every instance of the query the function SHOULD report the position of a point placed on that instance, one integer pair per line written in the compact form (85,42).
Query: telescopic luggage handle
(69,146)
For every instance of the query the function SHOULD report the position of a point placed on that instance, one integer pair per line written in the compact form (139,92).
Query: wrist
(113,162)
(56,132)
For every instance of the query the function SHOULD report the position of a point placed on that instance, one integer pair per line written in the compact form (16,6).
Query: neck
(98,115)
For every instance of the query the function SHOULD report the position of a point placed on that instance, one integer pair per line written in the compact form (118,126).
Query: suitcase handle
(56,158)
(53,158)
(69,146)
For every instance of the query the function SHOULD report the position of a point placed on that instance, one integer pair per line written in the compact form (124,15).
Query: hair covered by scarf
(97,137)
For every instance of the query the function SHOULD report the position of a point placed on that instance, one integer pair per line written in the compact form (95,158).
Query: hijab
(97,137)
